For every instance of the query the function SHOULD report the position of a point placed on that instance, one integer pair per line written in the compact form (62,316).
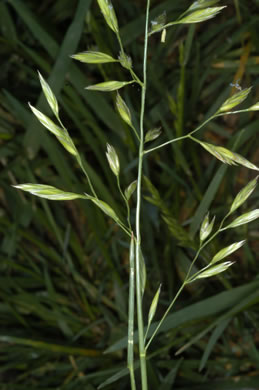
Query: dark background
(64,265)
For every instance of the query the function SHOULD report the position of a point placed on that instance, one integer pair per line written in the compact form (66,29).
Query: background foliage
(64,266)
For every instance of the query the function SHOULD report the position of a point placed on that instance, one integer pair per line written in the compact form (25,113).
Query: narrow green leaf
(227,251)
(243,219)
(213,340)
(169,380)
(153,134)
(207,199)
(114,378)
(206,227)
(109,14)
(61,134)
(48,192)
(51,98)
(200,15)
(153,306)
(234,100)
(113,160)
(215,270)
(48,346)
(107,86)
(93,57)
(228,157)
(123,110)
(130,189)
(243,195)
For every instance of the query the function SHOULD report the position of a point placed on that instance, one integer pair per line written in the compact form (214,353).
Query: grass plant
(123,216)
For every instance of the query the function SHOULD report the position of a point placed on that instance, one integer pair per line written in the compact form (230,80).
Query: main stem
(142,352)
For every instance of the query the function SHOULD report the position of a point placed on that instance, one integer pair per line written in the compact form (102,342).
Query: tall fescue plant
(199,11)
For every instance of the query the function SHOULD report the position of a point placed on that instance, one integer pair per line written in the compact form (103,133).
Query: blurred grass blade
(173,224)
(29,19)
(169,380)
(8,27)
(114,378)
(62,349)
(216,334)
